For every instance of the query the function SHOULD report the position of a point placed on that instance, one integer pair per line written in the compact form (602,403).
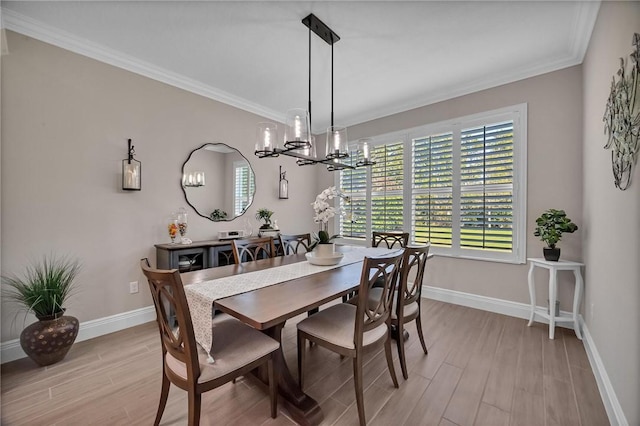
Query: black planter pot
(551,254)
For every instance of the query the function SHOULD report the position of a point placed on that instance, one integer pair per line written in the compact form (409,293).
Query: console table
(554,267)
(197,255)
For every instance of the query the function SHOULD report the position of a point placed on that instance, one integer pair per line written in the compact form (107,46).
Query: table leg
(553,295)
(304,409)
(576,302)
(532,294)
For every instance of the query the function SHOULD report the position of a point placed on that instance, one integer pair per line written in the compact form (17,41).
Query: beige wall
(611,234)
(65,124)
(554,160)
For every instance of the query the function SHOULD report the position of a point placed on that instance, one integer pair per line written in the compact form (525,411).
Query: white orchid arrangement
(324,212)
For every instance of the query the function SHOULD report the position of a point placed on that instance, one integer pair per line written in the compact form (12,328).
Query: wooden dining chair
(237,348)
(350,329)
(390,239)
(408,297)
(246,250)
(292,244)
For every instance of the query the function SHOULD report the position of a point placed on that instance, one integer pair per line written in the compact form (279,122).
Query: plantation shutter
(244,188)
(432,189)
(353,183)
(386,187)
(486,187)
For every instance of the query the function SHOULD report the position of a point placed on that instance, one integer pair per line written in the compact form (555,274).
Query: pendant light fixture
(298,141)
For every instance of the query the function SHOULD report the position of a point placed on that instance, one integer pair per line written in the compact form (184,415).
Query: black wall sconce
(283,187)
(131,171)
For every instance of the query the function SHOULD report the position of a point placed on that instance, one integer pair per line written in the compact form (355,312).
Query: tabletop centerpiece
(322,244)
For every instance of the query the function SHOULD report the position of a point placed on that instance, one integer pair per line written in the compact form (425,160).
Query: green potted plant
(43,290)
(218,215)
(549,227)
(265,215)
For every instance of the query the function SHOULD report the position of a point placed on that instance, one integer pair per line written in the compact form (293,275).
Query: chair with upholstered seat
(237,348)
(407,298)
(247,250)
(390,239)
(292,244)
(349,329)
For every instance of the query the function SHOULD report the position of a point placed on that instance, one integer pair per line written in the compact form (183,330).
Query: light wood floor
(482,369)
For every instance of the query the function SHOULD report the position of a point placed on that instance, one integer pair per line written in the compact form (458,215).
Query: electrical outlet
(133,287)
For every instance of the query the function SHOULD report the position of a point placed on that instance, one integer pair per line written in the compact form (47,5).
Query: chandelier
(298,141)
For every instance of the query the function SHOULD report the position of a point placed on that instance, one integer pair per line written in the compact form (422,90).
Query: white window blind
(243,187)
(354,184)
(432,189)
(486,187)
(387,179)
(460,185)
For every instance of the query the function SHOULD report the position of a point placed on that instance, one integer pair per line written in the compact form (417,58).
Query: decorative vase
(551,254)
(48,340)
(325,250)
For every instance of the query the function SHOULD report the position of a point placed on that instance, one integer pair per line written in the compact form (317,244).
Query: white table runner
(200,296)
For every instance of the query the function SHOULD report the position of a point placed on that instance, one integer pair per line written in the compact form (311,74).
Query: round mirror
(218,182)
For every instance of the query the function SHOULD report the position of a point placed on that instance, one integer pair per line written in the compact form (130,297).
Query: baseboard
(490,304)
(523,310)
(609,398)
(11,350)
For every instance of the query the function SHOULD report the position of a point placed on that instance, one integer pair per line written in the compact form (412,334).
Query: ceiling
(392,56)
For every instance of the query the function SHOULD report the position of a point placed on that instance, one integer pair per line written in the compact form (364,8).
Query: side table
(554,267)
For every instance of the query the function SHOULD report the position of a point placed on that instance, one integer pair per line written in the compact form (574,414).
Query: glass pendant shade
(266,139)
(337,142)
(193,179)
(364,153)
(297,132)
(309,151)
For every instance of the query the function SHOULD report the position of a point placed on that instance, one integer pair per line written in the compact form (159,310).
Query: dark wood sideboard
(197,255)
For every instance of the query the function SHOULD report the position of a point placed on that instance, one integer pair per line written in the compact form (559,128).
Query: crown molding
(32,28)
(581,30)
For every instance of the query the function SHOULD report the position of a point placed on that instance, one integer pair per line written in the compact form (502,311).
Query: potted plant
(218,215)
(322,243)
(43,290)
(550,227)
(265,215)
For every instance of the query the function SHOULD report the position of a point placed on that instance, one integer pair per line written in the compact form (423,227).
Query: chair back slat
(169,298)
(372,313)
(414,261)
(246,250)
(293,244)
(390,239)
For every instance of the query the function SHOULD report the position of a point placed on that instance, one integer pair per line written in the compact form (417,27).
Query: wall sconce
(131,171)
(193,179)
(283,187)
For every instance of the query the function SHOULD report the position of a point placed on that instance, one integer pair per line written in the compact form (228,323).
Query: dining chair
(246,250)
(408,297)
(390,239)
(292,244)
(237,348)
(350,329)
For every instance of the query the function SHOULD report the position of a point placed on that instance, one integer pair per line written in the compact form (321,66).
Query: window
(460,184)
(243,187)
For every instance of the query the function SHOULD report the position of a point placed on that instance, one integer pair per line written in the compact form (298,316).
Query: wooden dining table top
(268,306)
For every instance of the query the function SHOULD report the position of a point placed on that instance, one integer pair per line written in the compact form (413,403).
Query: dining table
(267,308)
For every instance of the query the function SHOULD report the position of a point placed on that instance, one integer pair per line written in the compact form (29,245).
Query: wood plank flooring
(482,369)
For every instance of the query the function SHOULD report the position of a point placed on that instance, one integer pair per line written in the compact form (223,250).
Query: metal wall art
(622,119)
